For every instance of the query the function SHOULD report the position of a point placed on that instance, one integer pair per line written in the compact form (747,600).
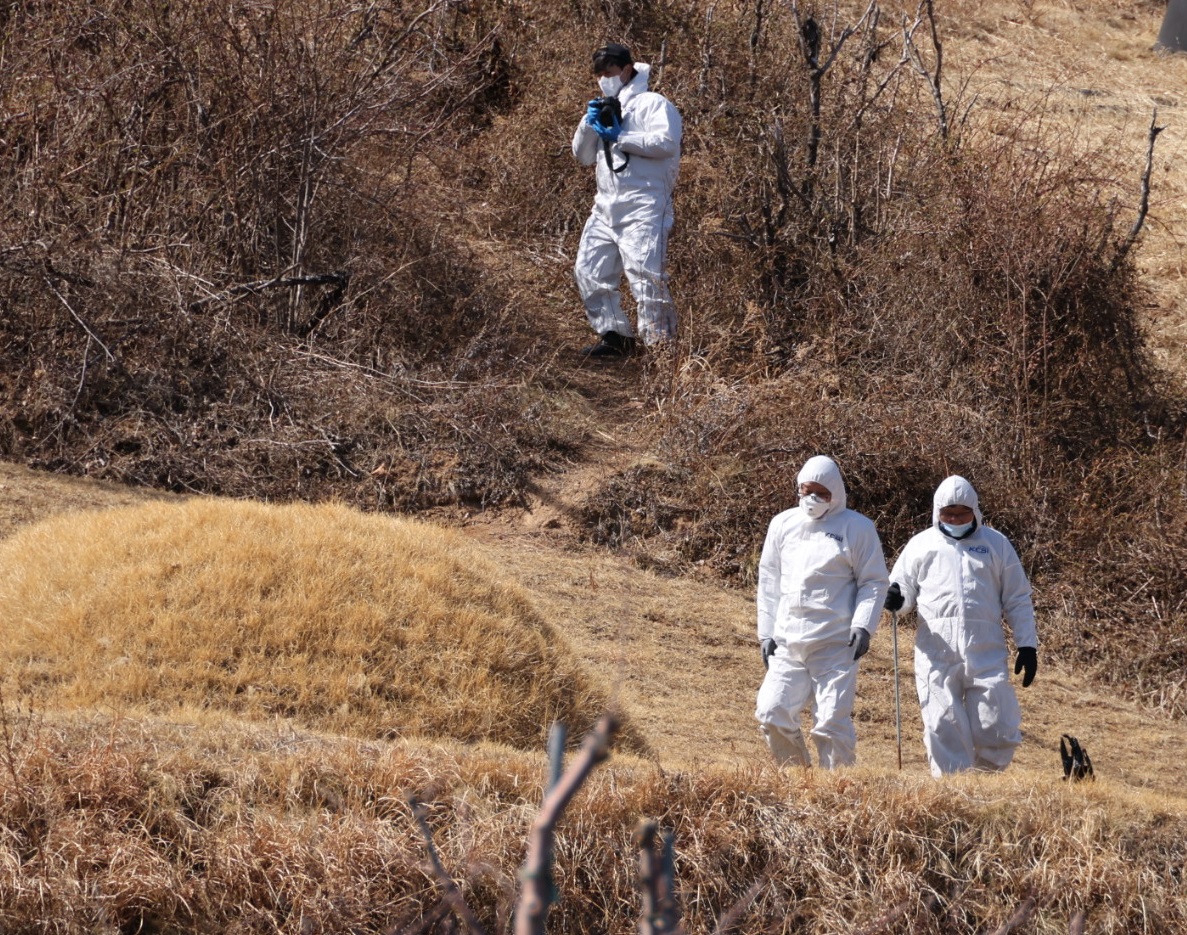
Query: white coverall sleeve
(904,575)
(1017,606)
(769,573)
(585,144)
(869,569)
(656,131)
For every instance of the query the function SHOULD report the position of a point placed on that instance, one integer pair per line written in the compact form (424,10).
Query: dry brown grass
(1094,65)
(216,825)
(338,620)
(204,822)
(682,657)
(136,825)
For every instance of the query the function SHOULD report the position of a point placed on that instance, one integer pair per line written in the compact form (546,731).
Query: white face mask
(814,505)
(610,84)
(956,531)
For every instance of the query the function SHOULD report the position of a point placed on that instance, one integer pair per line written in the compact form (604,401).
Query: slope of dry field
(1091,67)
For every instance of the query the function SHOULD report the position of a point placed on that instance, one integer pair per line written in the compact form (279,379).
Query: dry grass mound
(340,621)
(141,827)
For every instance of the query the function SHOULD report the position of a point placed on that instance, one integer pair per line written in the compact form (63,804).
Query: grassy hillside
(242,261)
(195,819)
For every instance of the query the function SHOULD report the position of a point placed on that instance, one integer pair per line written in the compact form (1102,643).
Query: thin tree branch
(933,77)
(78,318)
(536,895)
(279,282)
(657,873)
(452,894)
(1144,205)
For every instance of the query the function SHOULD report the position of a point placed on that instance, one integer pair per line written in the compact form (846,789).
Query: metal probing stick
(898,711)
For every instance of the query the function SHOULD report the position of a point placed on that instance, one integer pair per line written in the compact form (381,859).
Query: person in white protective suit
(821,583)
(964,579)
(637,157)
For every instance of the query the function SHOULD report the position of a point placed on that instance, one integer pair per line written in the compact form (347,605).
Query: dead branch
(810,39)
(557,737)
(904,59)
(755,38)
(1144,204)
(78,318)
(536,894)
(657,880)
(263,285)
(933,77)
(452,894)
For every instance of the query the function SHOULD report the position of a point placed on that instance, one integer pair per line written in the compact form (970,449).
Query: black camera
(609,110)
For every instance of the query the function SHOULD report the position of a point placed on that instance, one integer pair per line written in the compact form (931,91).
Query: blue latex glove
(591,113)
(609,133)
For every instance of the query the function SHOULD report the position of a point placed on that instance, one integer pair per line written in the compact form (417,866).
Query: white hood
(955,491)
(824,471)
(638,83)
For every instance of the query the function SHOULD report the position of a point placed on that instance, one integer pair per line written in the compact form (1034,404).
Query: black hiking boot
(611,344)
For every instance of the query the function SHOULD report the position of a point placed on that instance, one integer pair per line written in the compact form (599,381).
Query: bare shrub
(224,269)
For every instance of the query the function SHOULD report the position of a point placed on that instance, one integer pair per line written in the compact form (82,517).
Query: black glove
(1028,659)
(768,650)
(860,636)
(894,598)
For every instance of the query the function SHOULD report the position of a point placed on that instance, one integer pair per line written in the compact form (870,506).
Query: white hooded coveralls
(817,579)
(627,230)
(963,589)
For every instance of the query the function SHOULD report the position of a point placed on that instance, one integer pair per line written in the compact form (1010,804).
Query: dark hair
(612,54)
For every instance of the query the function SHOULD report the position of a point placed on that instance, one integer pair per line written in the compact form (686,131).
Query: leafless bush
(223,270)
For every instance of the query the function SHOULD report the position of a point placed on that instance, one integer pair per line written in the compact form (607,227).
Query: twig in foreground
(452,894)
(535,896)
(657,875)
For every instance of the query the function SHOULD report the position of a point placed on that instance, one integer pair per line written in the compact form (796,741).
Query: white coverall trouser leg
(971,716)
(639,249)
(824,676)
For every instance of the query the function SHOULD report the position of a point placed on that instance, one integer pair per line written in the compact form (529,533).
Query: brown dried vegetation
(314,250)
(223,270)
(118,826)
(335,620)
